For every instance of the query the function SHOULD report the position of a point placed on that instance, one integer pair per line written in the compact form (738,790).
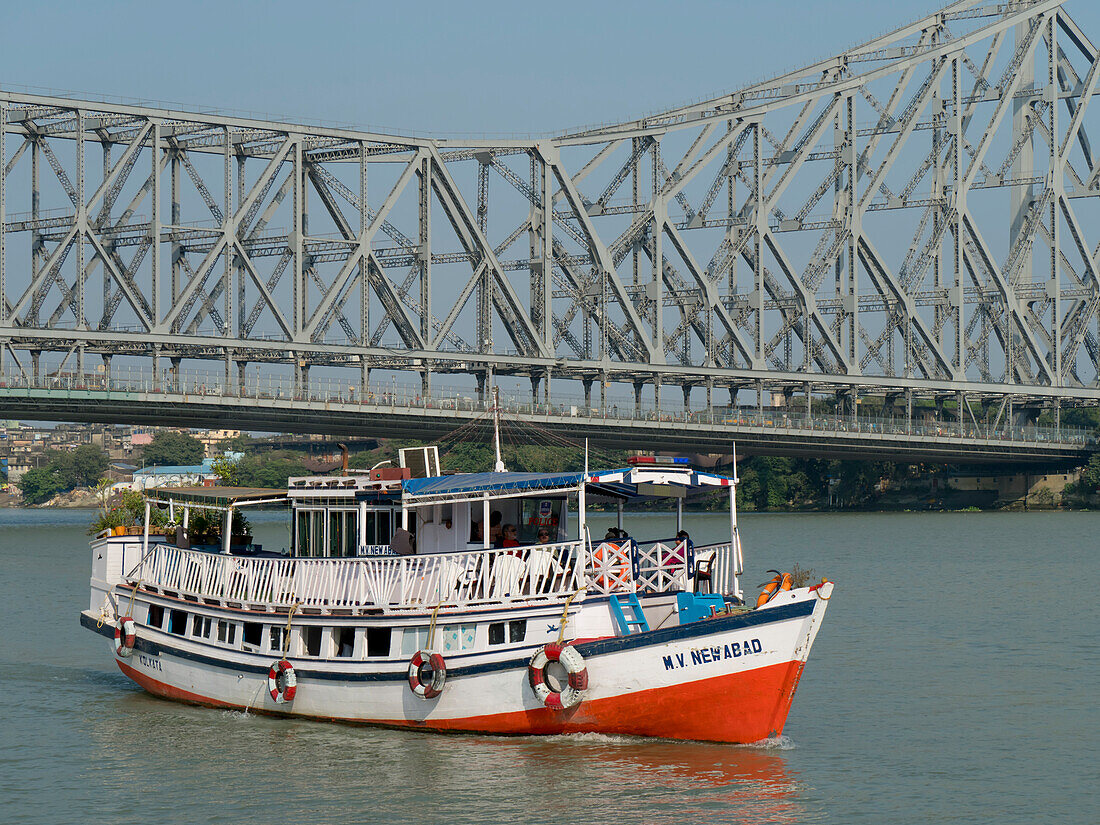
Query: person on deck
(509,538)
(543,536)
(495,537)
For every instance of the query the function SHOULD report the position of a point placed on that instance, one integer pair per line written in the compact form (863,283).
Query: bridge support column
(3,358)
(535,390)
(657,397)
(546,388)
(36,356)
(80,362)
(710,400)
(587,384)
(364,381)
(482,382)
(961,402)
(686,388)
(809,402)
(106,371)
(909,411)
(426,385)
(301,389)
(760,402)
(638,387)
(174,374)
(228,380)
(603,394)
(242,379)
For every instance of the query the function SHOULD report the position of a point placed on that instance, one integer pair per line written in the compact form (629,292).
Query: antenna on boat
(586,456)
(735,534)
(499,467)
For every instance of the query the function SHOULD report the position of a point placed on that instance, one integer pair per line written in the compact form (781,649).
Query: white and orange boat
(549,632)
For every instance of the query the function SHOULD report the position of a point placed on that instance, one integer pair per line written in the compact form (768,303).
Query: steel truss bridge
(912,222)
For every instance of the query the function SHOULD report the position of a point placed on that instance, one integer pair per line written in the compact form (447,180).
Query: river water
(954,680)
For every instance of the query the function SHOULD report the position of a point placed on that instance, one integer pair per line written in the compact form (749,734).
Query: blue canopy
(623,482)
(490,483)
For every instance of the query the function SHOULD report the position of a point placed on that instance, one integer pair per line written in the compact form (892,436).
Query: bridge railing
(342,393)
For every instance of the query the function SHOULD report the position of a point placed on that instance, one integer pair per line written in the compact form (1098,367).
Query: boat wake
(773,743)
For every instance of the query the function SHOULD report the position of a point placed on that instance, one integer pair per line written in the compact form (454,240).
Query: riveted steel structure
(914,218)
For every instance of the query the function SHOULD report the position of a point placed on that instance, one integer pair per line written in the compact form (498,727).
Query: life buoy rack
(573,662)
(125,636)
(282,681)
(781,581)
(427,674)
(617,571)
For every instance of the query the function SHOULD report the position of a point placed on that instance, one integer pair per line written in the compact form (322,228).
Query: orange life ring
(617,572)
(782,581)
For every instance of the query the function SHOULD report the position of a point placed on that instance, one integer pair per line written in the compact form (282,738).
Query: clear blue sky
(493,67)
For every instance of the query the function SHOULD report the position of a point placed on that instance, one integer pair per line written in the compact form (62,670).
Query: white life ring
(125,636)
(571,659)
(427,674)
(282,681)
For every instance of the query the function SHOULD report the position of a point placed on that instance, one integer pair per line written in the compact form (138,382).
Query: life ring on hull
(427,674)
(782,581)
(573,662)
(282,681)
(125,636)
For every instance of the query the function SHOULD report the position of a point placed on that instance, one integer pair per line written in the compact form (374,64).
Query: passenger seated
(509,536)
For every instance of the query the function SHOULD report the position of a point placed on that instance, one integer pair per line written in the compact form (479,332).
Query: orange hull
(742,707)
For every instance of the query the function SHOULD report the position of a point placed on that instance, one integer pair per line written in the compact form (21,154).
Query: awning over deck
(216,498)
(630,482)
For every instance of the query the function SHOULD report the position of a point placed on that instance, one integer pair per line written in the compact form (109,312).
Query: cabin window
(517,631)
(253,634)
(378,641)
(301,542)
(312,638)
(345,640)
(177,622)
(200,626)
(413,639)
(456,636)
(156,616)
(376,527)
(276,637)
(316,533)
(227,632)
(343,532)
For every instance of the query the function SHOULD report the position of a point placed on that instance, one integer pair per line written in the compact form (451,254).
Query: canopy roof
(622,483)
(221,497)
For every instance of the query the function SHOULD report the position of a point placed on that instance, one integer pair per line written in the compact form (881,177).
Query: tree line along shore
(71,477)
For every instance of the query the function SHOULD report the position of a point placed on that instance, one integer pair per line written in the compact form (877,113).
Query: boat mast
(499,467)
(735,536)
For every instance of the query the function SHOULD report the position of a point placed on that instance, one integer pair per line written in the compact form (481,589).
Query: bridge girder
(837,228)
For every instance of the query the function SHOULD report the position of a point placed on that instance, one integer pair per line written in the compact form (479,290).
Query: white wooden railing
(393,583)
(725,564)
(545,572)
(661,566)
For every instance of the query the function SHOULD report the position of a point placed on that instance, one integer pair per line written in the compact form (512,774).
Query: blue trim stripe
(599,647)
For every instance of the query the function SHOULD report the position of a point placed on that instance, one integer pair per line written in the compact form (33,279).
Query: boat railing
(664,565)
(388,583)
(724,565)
